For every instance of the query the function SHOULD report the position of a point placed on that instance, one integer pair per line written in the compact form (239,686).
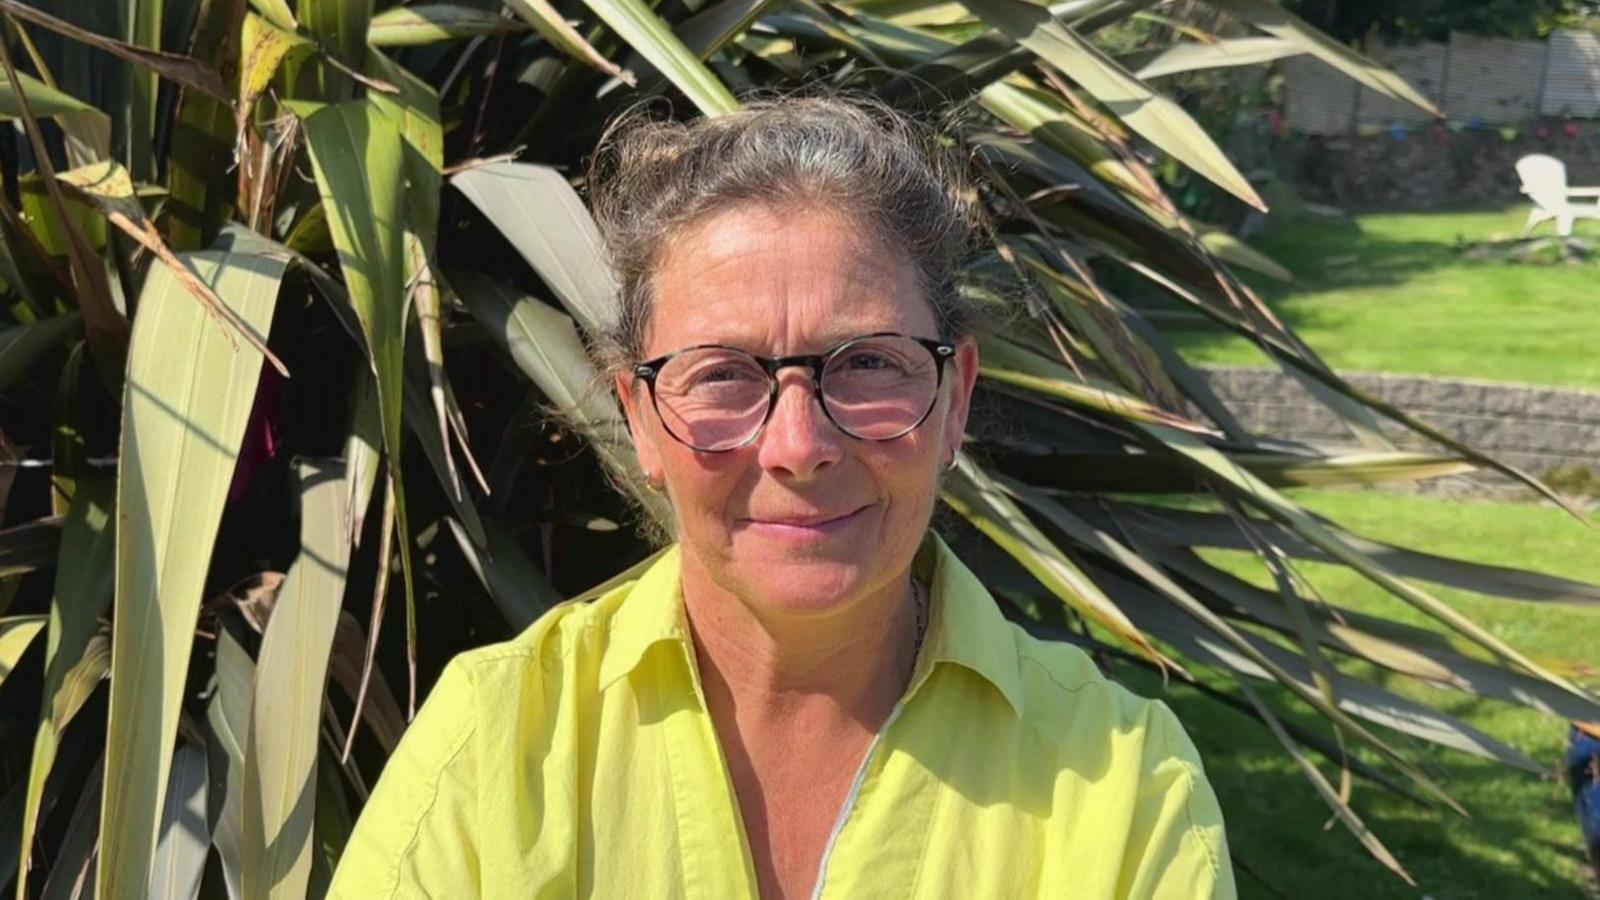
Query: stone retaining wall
(1436,167)
(1533,428)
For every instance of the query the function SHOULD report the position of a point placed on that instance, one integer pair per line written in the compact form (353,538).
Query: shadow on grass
(1332,256)
(1521,839)
(1322,255)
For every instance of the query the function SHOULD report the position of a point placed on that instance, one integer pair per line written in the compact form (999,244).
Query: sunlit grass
(1522,840)
(1392,292)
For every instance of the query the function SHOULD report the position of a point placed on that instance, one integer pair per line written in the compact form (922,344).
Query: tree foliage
(1433,20)
(296,404)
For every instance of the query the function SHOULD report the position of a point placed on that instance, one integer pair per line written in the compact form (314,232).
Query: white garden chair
(1544,178)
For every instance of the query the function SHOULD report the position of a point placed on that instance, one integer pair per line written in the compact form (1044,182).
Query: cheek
(707,487)
(904,474)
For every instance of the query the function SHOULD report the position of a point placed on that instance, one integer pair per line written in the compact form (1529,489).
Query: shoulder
(1132,770)
(568,641)
(419,833)
(1066,694)
(478,686)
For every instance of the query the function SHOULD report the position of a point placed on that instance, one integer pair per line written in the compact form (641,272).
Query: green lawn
(1391,292)
(1522,840)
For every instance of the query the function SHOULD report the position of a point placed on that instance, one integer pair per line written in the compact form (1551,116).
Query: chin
(809,583)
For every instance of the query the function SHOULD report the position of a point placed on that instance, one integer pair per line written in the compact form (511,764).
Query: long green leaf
(181,69)
(365,684)
(46,101)
(16,636)
(143,24)
(518,588)
(277,12)
(106,328)
(280,764)
(1335,802)
(1268,661)
(185,840)
(109,189)
(1231,250)
(201,180)
(358,152)
(76,652)
(1093,316)
(1160,120)
(30,546)
(555,28)
(546,347)
(1105,471)
(228,716)
(339,26)
(1354,469)
(1254,492)
(1163,525)
(69,449)
(1191,56)
(543,217)
(266,46)
(428,23)
(188,396)
(1159,603)
(21,345)
(1052,124)
(86,132)
(362,452)
(1010,364)
(972,493)
(1279,22)
(199,173)
(645,32)
(1382,642)
(416,110)
(74,861)
(707,31)
(956,71)
(428,429)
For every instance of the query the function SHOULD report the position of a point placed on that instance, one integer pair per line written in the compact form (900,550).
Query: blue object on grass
(1582,767)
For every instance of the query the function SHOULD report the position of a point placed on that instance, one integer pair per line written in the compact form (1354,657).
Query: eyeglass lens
(876,388)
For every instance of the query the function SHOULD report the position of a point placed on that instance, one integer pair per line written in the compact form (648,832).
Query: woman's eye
(722,374)
(869,362)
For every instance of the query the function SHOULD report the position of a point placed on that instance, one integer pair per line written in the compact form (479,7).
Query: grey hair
(652,180)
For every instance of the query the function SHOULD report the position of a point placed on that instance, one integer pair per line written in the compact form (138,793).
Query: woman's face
(804,518)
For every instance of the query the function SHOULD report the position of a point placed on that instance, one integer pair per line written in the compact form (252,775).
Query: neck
(767,667)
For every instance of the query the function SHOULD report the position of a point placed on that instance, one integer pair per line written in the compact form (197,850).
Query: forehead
(781,280)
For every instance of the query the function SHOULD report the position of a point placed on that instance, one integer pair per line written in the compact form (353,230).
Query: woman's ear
(644,445)
(963,377)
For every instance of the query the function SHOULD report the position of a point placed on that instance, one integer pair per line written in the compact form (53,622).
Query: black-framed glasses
(875,387)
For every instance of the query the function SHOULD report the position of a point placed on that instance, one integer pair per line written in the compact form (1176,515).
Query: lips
(808,526)
(803,521)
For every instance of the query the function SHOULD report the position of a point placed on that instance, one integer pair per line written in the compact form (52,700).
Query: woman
(808,694)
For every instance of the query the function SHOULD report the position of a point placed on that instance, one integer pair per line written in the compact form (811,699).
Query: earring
(955,457)
(655,482)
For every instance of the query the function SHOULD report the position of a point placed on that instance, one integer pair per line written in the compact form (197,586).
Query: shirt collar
(965,628)
(651,612)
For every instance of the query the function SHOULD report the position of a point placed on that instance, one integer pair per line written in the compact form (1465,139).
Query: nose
(798,440)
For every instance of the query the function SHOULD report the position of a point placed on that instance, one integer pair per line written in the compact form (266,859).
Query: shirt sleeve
(1176,847)
(417,835)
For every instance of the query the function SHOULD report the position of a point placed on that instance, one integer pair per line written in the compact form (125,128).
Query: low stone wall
(1534,428)
(1435,167)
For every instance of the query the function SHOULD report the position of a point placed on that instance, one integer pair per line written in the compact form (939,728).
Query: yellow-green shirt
(579,759)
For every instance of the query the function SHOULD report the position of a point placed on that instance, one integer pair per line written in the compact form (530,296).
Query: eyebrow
(826,341)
